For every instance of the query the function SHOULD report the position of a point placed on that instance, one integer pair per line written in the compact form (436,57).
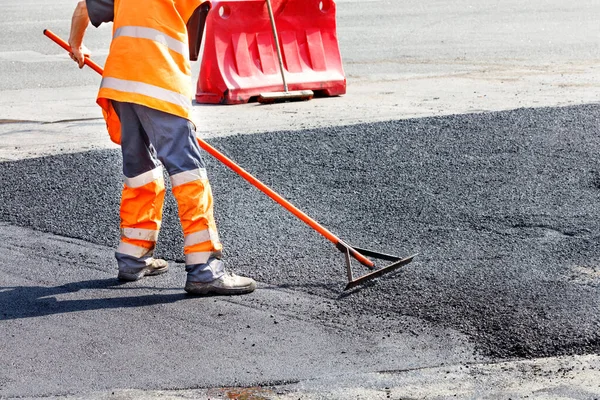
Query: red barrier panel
(239,60)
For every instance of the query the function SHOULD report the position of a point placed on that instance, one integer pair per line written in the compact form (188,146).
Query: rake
(349,251)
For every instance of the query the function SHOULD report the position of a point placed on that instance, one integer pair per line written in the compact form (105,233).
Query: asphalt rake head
(350,252)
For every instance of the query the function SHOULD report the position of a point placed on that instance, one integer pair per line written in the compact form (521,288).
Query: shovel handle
(66,46)
(247,176)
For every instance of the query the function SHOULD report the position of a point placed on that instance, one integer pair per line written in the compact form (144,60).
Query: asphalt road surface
(469,135)
(502,208)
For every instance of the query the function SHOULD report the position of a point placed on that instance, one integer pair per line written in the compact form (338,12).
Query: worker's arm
(79,23)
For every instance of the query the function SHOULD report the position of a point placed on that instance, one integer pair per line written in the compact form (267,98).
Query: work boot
(154,266)
(228,284)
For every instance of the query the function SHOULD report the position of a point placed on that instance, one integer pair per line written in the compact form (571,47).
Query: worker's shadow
(36,301)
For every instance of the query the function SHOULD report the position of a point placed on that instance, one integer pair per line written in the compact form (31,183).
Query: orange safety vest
(148,62)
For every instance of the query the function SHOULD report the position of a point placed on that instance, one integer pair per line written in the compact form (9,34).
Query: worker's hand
(78,54)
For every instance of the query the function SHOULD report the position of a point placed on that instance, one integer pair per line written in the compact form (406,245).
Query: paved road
(501,206)
(402,59)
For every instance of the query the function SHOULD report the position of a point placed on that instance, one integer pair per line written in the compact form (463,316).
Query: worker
(145,96)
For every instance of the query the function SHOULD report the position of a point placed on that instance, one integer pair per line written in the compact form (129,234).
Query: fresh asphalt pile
(502,207)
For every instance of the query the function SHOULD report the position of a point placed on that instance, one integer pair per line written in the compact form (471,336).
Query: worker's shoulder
(100,11)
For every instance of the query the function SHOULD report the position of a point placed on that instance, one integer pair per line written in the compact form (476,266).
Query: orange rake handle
(247,176)
(284,203)
(66,46)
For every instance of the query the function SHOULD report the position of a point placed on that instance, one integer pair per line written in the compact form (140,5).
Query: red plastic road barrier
(240,60)
(247,176)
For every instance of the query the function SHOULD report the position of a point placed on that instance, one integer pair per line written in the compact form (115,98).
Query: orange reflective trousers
(151,138)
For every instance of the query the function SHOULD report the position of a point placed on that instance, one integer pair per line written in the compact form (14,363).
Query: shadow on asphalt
(36,301)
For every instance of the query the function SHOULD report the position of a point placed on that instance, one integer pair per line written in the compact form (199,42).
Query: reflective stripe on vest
(146,89)
(139,234)
(145,178)
(148,62)
(188,176)
(133,250)
(155,35)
